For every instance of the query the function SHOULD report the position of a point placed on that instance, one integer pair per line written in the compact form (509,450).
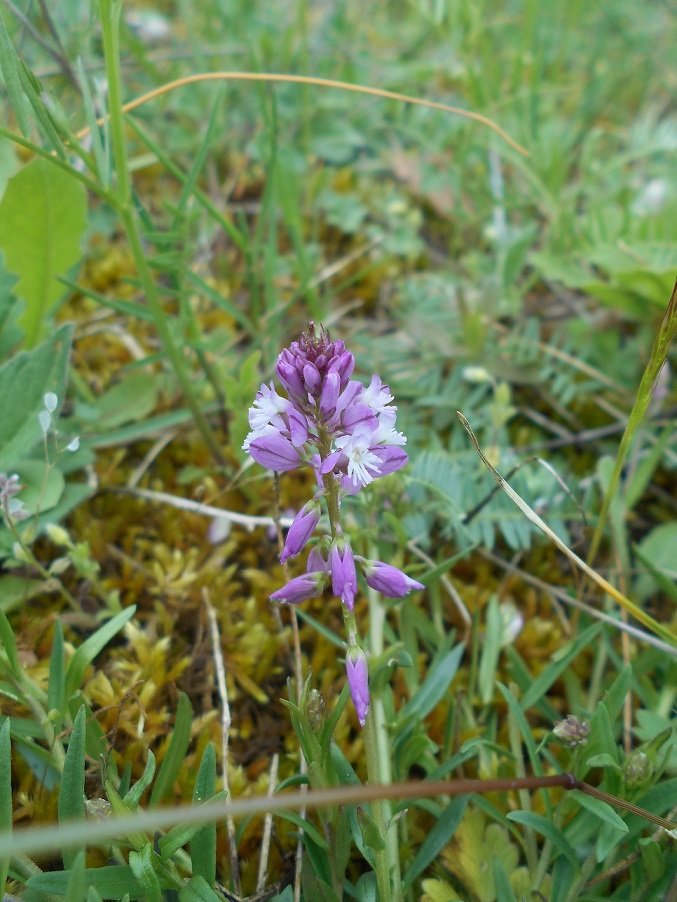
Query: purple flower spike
(274,451)
(301,588)
(301,530)
(343,574)
(357,671)
(388,580)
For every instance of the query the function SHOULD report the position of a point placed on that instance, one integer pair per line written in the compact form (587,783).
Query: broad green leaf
(72,790)
(176,753)
(130,400)
(436,839)
(112,882)
(91,647)
(600,809)
(43,485)
(14,590)
(24,380)
(43,216)
(141,864)
(203,843)
(546,827)
(5,793)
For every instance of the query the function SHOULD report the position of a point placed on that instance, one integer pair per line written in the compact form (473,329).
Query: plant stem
(387,862)
(110,18)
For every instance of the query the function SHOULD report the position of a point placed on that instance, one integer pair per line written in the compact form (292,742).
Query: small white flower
(45,419)
(267,408)
(50,401)
(377,396)
(361,459)
(74,444)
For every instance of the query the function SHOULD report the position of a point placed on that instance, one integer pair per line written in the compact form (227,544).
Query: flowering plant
(346,433)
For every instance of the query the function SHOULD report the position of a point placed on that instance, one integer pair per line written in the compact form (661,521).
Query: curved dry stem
(271,77)
(45,839)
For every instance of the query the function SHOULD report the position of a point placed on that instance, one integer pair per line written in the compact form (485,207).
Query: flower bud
(388,580)
(572,731)
(343,574)
(301,530)
(301,588)
(357,671)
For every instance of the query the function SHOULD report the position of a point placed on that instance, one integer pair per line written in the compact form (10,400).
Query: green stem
(387,861)
(110,19)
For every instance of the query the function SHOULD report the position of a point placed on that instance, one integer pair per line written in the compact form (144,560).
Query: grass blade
(203,844)
(176,752)
(71,804)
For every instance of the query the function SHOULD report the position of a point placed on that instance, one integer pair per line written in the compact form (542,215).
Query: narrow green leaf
(617,692)
(10,68)
(176,752)
(141,864)
(112,882)
(600,809)
(56,689)
(503,889)
(435,684)
(554,670)
(181,834)
(43,216)
(8,642)
(198,890)
(77,882)
(308,828)
(203,844)
(91,647)
(71,804)
(132,798)
(436,839)
(136,840)
(491,648)
(5,793)
(24,379)
(525,730)
(546,827)
(371,833)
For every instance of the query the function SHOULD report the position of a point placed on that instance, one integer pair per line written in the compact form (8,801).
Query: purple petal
(311,378)
(301,588)
(275,452)
(330,394)
(392,458)
(330,461)
(288,376)
(298,426)
(301,529)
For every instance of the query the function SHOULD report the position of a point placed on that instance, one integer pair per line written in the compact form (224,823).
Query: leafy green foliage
(42,222)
